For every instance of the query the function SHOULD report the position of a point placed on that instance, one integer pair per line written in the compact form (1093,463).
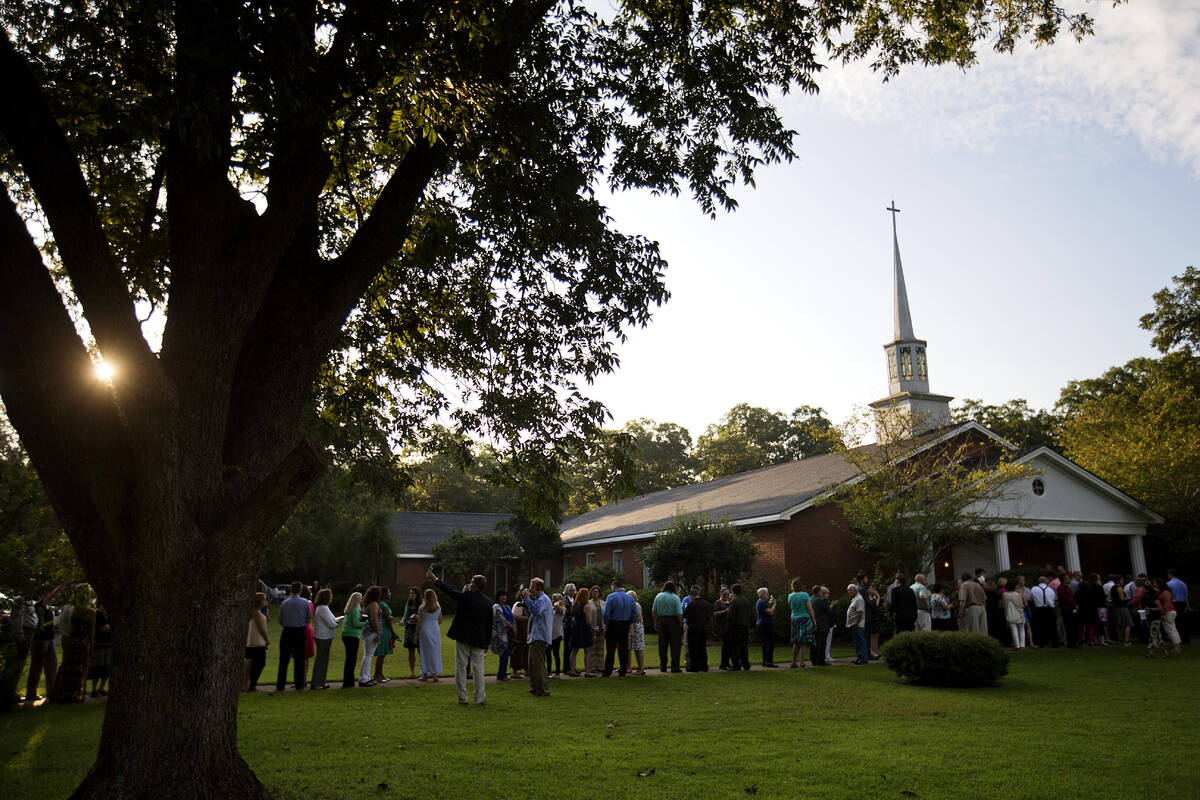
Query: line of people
(1063,609)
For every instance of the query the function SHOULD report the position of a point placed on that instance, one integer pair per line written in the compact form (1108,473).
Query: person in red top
(1167,611)
(1069,609)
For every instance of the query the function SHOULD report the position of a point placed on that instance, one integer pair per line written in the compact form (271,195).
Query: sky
(1045,196)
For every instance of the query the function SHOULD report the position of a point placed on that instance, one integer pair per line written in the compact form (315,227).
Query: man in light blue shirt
(620,610)
(294,615)
(541,622)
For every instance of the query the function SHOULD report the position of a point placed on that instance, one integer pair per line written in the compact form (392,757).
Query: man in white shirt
(1043,599)
(856,621)
(920,587)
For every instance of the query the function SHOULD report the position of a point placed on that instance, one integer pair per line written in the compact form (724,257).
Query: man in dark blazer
(471,630)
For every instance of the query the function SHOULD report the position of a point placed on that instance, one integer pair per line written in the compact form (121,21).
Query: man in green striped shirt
(668,621)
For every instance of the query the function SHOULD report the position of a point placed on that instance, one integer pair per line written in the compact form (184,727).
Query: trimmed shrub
(946,658)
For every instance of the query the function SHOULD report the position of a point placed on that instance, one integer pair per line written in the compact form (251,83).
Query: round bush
(946,658)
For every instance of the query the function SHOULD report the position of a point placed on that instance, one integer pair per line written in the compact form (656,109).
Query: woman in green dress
(387,635)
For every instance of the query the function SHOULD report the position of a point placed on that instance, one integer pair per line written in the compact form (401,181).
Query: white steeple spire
(908,370)
(904,328)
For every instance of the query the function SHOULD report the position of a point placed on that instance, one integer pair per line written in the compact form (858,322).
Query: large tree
(357,215)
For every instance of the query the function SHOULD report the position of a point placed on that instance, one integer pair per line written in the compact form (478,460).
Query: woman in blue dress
(429,619)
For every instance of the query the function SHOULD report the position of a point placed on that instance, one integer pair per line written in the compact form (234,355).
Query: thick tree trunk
(170,729)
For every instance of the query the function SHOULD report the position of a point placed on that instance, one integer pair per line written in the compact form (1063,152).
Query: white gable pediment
(1072,499)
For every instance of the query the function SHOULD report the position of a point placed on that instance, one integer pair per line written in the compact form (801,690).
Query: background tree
(1175,319)
(1015,421)
(699,550)
(35,554)
(906,503)
(748,437)
(462,555)
(644,456)
(455,473)
(1135,425)
(361,214)
(537,539)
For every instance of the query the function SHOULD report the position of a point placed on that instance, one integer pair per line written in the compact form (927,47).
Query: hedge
(946,658)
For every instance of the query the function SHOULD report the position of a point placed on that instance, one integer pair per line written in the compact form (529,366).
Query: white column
(1003,560)
(1137,556)
(1071,550)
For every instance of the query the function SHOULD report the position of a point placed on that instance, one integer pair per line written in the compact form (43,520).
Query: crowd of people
(1061,609)
(583,632)
(85,633)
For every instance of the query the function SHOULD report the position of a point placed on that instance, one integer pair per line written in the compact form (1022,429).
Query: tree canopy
(349,219)
(1175,320)
(749,437)
(699,550)
(1135,425)
(1014,421)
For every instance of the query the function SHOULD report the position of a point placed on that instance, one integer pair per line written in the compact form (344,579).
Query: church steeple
(908,369)
(904,328)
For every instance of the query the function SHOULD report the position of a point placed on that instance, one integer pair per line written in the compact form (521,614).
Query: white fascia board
(414,555)
(1097,482)
(1082,526)
(747,522)
(633,537)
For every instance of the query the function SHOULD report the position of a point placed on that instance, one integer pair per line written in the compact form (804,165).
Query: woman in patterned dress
(637,637)
(411,643)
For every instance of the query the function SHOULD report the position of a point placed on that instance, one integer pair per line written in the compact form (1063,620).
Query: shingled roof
(416,532)
(765,492)
(762,495)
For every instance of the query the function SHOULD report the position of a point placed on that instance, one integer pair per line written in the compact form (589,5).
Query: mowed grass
(1100,722)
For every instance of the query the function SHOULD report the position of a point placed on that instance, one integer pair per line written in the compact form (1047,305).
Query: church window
(906,371)
(922,370)
(891,359)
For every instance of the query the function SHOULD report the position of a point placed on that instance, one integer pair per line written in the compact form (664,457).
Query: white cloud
(1139,76)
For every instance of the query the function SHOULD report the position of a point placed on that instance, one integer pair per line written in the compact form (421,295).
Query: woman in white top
(324,629)
(1014,615)
(256,644)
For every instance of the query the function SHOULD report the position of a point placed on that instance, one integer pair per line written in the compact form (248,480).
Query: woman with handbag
(370,634)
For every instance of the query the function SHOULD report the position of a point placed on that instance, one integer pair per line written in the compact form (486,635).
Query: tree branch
(54,173)
(67,419)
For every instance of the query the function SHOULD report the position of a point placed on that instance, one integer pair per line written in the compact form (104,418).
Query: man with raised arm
(471,630)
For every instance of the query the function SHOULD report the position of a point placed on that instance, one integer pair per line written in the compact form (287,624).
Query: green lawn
(1100,722)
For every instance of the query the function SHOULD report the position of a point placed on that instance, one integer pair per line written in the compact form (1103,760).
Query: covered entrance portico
(1064,516)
